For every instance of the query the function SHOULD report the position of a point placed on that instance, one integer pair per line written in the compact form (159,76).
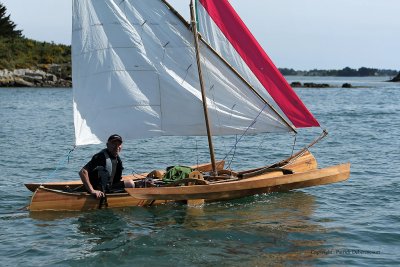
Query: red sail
(233,28)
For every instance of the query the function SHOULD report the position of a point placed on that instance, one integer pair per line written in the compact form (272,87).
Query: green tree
(347,72)
(363,71)
(7,26)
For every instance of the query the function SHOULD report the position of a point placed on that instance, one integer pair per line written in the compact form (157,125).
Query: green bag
(176,173)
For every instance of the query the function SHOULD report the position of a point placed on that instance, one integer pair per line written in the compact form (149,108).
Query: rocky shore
(32,78)
(396,79)
(316,85)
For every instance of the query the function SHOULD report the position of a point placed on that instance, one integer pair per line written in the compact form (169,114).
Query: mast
(203,93)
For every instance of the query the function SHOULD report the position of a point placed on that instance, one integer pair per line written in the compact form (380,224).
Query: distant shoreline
(345,72)
(41,79)
(317,85)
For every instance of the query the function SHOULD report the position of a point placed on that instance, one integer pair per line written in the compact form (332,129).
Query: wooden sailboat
(142,63)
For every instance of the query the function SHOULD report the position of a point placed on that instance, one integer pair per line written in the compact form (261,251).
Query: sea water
(353,223)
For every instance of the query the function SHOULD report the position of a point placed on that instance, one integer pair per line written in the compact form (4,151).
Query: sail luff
(203,94)
(176,13)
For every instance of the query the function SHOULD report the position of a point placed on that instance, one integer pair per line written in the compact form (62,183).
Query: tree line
(17,52)
(7,26)
(345,72)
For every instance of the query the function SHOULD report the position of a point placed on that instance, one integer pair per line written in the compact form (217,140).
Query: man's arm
(83,173)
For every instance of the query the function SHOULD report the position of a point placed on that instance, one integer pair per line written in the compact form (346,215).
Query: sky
(298,34)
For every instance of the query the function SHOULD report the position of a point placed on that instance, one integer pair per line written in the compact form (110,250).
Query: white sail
(135,74)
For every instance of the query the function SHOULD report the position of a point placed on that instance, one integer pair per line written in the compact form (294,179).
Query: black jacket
(97,160)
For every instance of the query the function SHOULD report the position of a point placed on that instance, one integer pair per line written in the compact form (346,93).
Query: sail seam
(123,47)
(110,71)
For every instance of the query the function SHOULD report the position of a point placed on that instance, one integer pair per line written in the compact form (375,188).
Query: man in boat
(104,171)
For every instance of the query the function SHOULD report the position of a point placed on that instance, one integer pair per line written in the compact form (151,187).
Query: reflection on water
(258,230)
(274,229)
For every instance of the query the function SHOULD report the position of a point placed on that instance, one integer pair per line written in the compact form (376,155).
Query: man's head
(114,144)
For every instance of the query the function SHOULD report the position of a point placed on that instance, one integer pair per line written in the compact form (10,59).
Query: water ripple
(336,225)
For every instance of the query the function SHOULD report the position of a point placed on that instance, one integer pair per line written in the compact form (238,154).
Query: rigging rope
(197,153)
(62,162)
(244,133)
(233,154)
(294,143)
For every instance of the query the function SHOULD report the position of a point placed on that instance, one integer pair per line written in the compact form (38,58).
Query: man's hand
(97,193)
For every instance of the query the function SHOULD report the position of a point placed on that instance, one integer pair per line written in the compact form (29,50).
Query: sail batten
(134,73)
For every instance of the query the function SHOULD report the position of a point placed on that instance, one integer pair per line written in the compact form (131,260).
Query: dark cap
(114,137)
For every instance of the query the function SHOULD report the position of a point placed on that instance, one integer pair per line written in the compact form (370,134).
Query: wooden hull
(276,181)
(270,182)
(45,199)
